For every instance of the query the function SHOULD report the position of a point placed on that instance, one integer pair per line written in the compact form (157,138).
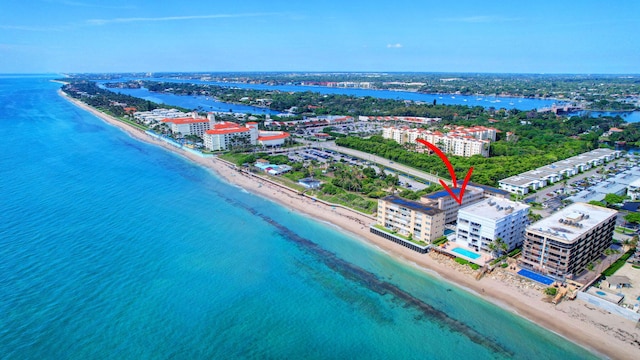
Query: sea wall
(608,306)
(178,145)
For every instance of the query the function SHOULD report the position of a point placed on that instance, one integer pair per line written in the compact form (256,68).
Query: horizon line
(318,71)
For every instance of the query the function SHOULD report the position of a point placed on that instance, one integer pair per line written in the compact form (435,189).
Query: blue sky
(432,36)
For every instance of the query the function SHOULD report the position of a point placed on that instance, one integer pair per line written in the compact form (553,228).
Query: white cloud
(394,46)
(170,18)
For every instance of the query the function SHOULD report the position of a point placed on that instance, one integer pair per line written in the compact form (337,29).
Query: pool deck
(532,275)
(482,260)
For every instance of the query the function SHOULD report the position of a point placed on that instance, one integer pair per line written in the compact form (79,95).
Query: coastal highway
(330,145)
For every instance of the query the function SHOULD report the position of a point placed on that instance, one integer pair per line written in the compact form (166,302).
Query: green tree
(597,203)
(498,247)
(611,199)
(633,218)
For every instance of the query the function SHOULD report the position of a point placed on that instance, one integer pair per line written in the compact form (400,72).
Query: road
(378,160)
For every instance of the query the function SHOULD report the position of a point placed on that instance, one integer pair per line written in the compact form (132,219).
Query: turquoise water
(115,249)
(467,253)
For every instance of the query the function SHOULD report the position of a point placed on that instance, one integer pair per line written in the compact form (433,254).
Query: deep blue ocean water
(115,249)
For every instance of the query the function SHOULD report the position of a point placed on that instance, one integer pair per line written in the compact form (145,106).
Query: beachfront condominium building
(411,218)
(563,244)
(442,200)
(226,135)
(193,125)
(481,223)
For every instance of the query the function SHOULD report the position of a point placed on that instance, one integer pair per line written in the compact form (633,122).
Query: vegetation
(612,199)
(498,246)
(408,238)
(532,150)
(113,103)
(308,102)
(633,218)
(623,230)
(619,263)
(602,91)
(514,252)
(551,291)
(439,241)
(597,203)
(462,261)
(498,260)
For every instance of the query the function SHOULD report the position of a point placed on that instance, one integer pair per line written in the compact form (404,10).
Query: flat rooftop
(413,205)
(517,180)
(559,166)
(493,208)
(486,188)
(577,219)
(614,185)
(444,193)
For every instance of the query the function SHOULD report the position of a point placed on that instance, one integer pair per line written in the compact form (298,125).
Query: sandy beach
(606,334)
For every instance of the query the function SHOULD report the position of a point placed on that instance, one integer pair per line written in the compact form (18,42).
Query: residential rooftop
(493,208)
(444,193)
(486,188)
(577,219)
(517,180)
(413,205)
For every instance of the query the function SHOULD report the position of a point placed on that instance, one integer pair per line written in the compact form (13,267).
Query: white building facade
(633,190)
(481,223)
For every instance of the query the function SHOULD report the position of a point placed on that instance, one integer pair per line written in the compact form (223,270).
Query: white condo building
(549,174)
(189,125)
(481,223)
(225,135)
(459,141)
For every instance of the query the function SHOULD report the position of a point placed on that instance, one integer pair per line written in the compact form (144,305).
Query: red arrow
(452,172)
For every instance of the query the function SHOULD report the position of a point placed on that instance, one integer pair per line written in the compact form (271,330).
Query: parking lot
(590,185)
(323,156)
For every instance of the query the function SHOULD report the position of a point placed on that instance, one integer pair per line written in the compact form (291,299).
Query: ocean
(111,248)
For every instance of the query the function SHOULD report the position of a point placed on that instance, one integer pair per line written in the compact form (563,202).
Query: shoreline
(601,333)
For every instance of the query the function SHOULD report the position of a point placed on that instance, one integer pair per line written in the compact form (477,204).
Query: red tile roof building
(188,125)
(226,135)
(458,141)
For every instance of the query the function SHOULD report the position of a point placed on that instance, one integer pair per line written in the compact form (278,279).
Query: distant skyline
(568,37)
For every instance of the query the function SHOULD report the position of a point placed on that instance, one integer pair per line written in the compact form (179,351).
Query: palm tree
(498,247)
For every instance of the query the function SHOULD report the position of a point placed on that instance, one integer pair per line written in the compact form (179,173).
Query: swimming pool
(466,253)
(536,277)
(448,232)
